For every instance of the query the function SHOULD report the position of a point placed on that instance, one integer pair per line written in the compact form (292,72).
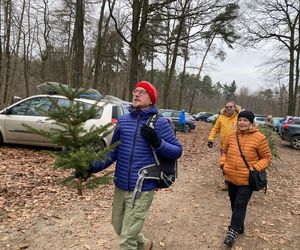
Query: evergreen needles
(79,145)
(272,144)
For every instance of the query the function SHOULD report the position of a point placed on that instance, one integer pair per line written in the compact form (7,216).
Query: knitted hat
(152,91)
(247,114)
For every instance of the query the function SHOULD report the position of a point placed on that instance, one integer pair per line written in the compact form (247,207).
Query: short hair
(233,102)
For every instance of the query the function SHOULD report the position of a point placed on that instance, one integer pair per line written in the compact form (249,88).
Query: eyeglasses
(228,107)
(141,92)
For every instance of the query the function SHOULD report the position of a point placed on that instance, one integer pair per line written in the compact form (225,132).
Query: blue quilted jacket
(134,152)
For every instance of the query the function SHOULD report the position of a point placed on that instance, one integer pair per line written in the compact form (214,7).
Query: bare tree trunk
(26,67)
(17,47)
(99,45)
(168,83)
(296,94)
(27,50)
(296,90)
(1,57)
(182,83)
(7,21)
(77,54)
(291,104)
(152,66)
(168,49)
(46,32)
(139,21)
(192,100)
(201,67)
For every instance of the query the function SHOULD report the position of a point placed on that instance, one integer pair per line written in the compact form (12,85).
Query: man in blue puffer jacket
(133,153)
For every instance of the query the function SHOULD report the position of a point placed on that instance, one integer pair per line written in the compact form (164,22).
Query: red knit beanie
(152,91)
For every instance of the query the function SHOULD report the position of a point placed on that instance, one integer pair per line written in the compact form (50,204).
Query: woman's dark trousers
(239,198)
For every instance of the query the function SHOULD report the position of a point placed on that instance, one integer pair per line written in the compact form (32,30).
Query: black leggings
(239,198)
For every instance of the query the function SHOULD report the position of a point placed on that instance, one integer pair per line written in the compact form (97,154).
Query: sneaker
(230,237)
(229,241)
(149,245)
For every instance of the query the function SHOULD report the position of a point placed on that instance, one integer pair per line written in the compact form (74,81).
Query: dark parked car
(291,132)
(286,120)
(202,116)
(174,116)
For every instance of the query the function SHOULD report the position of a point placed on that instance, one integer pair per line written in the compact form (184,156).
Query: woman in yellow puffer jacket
(256,150)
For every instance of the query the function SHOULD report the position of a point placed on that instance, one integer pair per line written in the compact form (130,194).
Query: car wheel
(295,142)
(187,128)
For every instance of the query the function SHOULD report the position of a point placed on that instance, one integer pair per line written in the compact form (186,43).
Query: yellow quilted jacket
(223,126)
(256,150)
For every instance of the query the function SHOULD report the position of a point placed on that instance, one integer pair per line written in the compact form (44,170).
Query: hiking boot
(230,237)
(149,245)
(224,186)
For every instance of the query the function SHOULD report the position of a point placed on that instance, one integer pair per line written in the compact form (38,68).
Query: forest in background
(109,45)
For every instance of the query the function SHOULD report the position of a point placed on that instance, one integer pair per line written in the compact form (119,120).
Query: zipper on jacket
(133,146)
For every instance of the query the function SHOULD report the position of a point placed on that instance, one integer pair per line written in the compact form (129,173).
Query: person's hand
(210,144)
(149,134)
(83,173)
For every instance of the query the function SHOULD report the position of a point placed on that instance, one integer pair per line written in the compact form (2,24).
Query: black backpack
(168,168)
(164,170)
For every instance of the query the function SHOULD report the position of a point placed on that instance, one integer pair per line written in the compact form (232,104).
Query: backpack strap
(152,120)
(148,172)
(151,123)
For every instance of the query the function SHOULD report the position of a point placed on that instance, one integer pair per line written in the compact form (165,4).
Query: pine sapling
(79,145)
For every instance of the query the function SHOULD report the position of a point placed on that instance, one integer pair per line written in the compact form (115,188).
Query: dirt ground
(37,213)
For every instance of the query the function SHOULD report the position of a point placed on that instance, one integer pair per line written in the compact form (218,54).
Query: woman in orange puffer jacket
(256,150)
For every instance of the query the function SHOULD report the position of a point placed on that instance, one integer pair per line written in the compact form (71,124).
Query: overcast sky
(239,65)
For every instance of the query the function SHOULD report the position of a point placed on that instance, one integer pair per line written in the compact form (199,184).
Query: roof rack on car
(52,88)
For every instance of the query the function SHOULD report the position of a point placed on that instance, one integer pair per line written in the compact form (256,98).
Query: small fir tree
(79,146)
(272,144)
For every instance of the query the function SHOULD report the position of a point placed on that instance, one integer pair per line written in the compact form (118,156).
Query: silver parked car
(260,120)
(212,118)
(29,111)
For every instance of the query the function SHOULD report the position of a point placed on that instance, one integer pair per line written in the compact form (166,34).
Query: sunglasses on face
(228,107)
(141,92)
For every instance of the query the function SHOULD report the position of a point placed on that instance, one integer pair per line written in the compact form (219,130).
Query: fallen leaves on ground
(36,211)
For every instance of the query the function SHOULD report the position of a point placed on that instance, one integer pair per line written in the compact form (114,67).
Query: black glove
(210,144)
(83,173)
(149,134)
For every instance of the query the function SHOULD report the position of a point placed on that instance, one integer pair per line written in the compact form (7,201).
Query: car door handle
(40,121)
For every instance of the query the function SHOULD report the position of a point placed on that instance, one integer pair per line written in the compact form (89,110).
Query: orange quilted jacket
(256,150)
